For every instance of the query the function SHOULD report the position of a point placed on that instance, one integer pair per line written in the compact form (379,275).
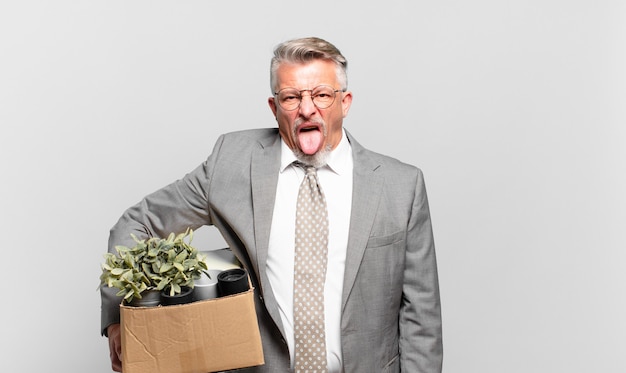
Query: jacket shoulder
(262,135)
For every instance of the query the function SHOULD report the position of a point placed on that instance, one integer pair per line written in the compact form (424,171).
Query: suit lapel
(366,193)
(264,178)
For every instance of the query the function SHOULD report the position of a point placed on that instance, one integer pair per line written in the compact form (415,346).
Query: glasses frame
(310,95)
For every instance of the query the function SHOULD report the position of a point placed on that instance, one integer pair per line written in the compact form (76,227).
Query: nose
(307,107)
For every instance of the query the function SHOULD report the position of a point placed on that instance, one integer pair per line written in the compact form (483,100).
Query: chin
(316,160)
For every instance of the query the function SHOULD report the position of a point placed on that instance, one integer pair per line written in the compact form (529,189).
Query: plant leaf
(165,267)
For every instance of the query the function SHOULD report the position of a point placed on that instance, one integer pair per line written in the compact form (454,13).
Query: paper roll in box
(204,336)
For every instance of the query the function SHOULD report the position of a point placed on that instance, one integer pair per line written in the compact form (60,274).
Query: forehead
(306,75)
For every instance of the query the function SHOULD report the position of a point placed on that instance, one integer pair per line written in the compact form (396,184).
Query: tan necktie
(311,248)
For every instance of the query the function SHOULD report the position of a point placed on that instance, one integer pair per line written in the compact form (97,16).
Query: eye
(289,96)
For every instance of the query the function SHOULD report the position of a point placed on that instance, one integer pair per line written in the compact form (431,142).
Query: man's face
(309,130)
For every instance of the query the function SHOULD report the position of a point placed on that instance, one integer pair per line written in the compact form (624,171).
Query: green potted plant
(178,264)
(155,265)
(130,271)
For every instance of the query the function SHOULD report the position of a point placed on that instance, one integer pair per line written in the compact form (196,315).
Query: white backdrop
(514,110)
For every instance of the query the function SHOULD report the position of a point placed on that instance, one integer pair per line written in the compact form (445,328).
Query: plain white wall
(515,111)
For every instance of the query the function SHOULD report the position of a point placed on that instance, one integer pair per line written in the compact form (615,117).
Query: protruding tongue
(310,140)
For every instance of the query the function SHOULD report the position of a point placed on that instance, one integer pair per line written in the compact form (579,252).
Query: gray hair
(306,50)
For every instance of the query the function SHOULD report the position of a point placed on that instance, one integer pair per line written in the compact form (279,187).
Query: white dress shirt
(336,182)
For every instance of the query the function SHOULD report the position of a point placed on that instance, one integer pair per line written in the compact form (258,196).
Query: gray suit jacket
(391,318)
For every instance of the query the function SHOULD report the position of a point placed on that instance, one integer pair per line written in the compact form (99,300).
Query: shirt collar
(339,159)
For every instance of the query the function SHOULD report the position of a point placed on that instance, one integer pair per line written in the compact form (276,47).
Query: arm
(421,345)
(182,204)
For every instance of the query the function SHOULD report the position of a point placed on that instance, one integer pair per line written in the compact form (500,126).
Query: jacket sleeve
(421,348)
(180,205)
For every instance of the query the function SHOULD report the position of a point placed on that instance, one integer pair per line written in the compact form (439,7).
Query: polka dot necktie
(311,248)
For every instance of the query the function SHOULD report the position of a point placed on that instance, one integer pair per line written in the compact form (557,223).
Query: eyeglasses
(290,98)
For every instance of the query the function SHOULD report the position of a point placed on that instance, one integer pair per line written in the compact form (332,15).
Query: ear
(346,101)
(272,104)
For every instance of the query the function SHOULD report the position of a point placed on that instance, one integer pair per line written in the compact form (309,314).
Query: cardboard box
(205,336)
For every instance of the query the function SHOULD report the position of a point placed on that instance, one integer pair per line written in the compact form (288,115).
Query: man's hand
(115,346)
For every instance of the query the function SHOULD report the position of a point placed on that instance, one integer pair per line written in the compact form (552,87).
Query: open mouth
(310,137)
(308,128)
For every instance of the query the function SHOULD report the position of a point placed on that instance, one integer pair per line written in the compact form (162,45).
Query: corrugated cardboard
(205,336)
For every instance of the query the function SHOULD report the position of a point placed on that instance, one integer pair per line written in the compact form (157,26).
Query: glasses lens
(323,96)
(289,99)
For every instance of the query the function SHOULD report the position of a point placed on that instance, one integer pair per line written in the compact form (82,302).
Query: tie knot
(308,169)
